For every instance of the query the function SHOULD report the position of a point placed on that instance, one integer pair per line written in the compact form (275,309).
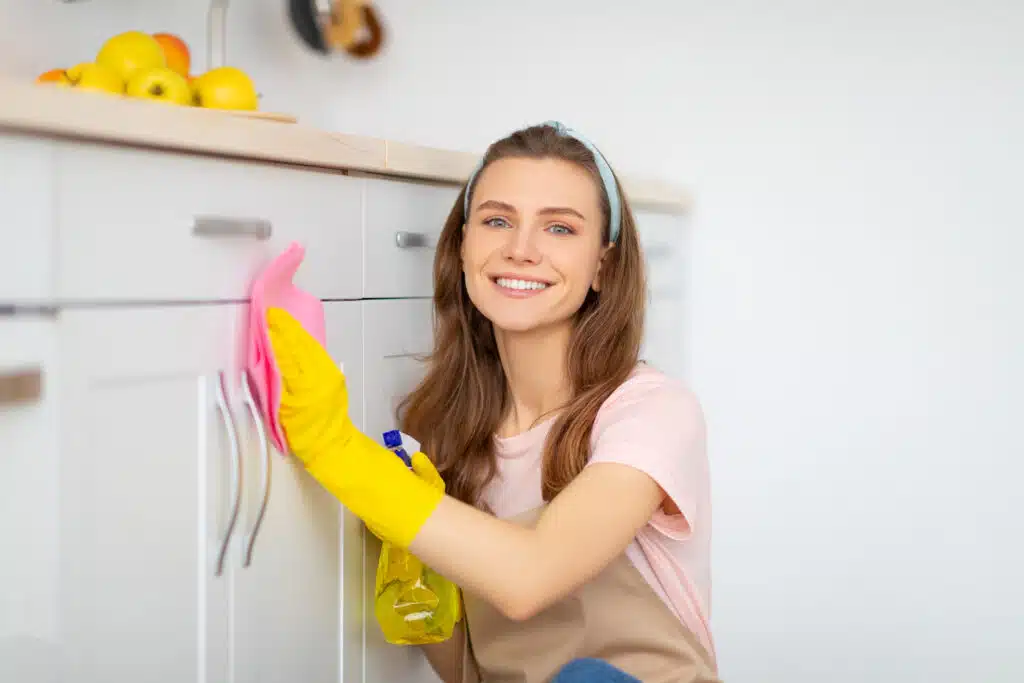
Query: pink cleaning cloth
(273,288)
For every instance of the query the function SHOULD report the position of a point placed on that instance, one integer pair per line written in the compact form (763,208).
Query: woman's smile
(519,287)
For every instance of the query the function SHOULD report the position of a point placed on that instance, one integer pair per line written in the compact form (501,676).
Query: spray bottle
(414,604)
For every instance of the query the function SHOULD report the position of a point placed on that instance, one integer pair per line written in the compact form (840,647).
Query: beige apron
(616,617)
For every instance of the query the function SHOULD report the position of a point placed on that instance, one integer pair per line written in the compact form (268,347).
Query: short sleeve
(654,424)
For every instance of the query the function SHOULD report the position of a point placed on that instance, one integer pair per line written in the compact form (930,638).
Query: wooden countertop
(61,112)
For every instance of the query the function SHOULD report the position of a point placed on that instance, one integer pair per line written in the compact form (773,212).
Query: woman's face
(532,245)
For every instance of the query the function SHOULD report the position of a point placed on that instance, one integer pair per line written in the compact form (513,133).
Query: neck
(535,368)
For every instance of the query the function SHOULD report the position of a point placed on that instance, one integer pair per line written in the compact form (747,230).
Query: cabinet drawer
(26,229)
(402,223)
(127,221)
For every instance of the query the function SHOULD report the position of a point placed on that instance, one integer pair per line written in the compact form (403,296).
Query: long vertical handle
(236,468)
(254,414)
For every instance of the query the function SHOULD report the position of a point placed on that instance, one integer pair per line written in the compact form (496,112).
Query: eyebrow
(548,210)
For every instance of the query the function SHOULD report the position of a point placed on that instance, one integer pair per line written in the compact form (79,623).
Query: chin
(516,325)
(506,319)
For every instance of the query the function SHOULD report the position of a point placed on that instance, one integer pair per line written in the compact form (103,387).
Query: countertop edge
(54,111)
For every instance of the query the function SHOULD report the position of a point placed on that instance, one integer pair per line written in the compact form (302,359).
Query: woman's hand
(425,470)
(365,476)
(314,395)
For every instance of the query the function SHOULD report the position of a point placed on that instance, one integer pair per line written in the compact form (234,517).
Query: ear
(596,283)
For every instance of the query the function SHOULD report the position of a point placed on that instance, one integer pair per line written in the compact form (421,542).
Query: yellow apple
(160,83)
(192,80)
(130,52)
(91,76)
(226,87)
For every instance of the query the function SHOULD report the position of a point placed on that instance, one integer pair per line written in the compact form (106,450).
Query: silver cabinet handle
(261,433)
(410,240)
(223,226)
(236,468)
(21,386)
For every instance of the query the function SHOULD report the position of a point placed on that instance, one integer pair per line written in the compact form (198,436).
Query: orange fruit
(176,52)
(58,76)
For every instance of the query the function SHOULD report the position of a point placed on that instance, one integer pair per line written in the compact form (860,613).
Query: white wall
(857,312)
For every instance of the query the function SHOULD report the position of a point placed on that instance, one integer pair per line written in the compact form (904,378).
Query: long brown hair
(458,407)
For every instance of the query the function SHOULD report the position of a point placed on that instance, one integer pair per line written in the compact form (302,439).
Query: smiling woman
(535,234)
(576,518)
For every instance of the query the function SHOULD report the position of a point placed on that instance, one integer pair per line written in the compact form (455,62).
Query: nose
(521,246)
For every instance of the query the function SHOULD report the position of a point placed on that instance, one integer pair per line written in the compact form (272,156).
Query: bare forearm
(491,558)
(521,570)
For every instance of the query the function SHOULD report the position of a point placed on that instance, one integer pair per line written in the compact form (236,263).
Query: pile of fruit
(157,67)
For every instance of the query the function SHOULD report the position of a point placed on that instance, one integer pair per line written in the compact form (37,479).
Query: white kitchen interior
(827,195)
(151,530)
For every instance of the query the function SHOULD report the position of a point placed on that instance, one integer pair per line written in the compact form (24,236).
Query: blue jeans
(592,671)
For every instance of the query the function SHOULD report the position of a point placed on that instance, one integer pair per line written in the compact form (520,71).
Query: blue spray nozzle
(393,441)
(393,438)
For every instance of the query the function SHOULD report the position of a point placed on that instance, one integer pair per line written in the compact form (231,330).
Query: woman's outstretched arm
(523,570)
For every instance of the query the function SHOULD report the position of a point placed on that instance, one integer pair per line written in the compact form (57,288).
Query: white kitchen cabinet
(26,229)
(29,501)
(396,334)
(149,448)
(124,476)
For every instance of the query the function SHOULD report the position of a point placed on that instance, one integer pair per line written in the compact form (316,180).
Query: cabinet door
(395,334)
(29,502)
(148,456)
(290,614)
(27,229)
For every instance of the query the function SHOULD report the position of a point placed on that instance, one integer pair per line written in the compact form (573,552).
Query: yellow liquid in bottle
(415,605)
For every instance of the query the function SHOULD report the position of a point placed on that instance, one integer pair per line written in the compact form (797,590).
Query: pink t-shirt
(655,424)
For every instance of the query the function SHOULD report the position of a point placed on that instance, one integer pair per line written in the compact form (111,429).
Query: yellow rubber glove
(366,477)
(425,470)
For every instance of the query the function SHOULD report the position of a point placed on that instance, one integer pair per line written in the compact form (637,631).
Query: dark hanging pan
(330,26)
(308,18)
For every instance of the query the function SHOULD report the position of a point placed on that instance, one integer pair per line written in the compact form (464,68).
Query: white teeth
(520,284)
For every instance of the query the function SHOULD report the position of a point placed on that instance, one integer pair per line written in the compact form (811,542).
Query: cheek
(475,251)
(579,267)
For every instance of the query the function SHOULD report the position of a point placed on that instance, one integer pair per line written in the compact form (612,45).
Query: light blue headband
(610,186)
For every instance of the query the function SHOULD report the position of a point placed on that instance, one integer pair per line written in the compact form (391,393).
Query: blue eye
(496,222)
(561,230)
